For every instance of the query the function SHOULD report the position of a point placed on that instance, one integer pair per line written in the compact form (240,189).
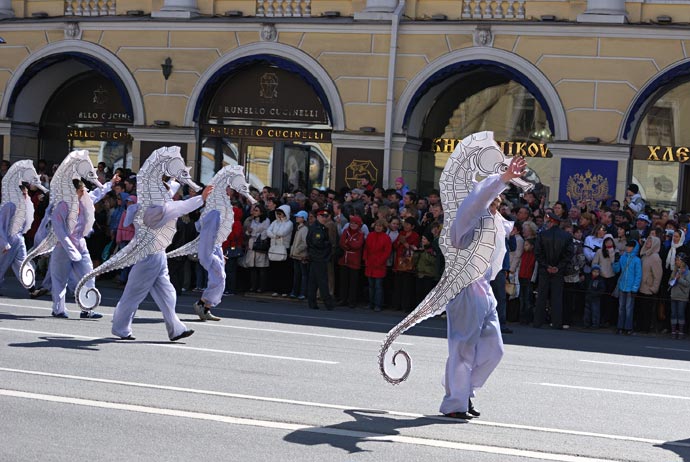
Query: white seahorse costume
(215,224)
(16,215)
(469,240)
(76,165)
(154,224)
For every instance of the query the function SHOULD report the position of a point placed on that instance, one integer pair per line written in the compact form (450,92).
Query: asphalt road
(276,381)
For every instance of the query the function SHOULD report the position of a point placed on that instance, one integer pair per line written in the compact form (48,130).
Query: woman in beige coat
(652,272)
(255,226)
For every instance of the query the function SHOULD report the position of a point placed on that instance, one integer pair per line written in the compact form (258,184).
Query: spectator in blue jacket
(630,268)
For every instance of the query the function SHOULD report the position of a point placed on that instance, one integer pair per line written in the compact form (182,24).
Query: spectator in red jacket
(351,244)
(403,266)
(377,249)
(232,249)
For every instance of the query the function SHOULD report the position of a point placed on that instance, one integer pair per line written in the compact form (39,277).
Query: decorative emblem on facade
(100,96)
(268,86)
(72,31)
(587,187)
(483,37)
(357,169)
(269,33)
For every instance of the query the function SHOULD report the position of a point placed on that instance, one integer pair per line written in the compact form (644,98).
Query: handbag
(512,288)
(261,244)
(406,261)
(277,251)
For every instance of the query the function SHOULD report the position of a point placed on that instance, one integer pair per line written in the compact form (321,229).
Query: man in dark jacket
(319,249)
(553,250)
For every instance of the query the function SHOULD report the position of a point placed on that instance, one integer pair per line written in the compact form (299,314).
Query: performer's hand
(116,179)
(515,170)
(207,192)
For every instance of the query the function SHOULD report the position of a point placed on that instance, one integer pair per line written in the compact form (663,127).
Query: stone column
(6,9)
(604,11)
(181,9)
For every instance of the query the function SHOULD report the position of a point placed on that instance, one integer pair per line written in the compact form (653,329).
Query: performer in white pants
(71,258)
(212,259)
(475,345)
(12,246)
(151,274)
(42,232)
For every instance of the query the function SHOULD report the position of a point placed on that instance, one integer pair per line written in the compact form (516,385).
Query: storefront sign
(264,92)
(91,99)
(509,148)
(661,153)
(98,134)
(272,133)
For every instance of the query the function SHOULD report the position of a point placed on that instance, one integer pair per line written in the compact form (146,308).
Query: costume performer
(16,215)
(154,223)
(473,245)
(214,226)
(44,228)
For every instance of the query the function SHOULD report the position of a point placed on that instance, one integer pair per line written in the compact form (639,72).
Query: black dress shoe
(129,337)
(459,415)
(471,410)
(506,330)
(184,334)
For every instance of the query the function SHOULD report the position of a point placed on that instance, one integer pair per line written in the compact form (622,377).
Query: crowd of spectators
(621,266)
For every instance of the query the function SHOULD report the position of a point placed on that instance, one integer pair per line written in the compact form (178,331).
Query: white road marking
(366,436)
(173,345)
(342,407)
(635,365)
(608,390)
(227,326)
(669,349)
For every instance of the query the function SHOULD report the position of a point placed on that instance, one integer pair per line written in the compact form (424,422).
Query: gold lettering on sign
(682,154)
(271,133)
(509,148)
(97,134)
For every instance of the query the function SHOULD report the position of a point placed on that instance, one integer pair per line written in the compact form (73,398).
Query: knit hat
(302,214)
(356,220)
(596,268)
(429,237)
(400,180)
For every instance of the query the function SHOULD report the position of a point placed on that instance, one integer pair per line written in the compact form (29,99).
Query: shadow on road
(366,424)
(67,343)
(16,317)
(680,447)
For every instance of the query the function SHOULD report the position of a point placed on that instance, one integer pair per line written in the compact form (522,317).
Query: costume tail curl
(89,298)
(26,270)
(432,305)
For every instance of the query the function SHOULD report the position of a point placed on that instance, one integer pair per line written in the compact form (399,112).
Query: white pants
(63,269)
(148,276)
(475,345)
(215,265)
(13,257)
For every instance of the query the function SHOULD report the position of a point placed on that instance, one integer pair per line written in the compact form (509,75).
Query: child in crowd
(630,268)
(425,262)
(680,290)
(526,275)
(595,287)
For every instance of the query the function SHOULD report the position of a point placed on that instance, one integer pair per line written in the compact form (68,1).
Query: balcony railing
(283,8)
(497,9)
(90,8)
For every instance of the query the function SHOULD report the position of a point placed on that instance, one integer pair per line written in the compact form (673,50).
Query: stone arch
(309,64)
(86,48)
(654,88)
(407,110)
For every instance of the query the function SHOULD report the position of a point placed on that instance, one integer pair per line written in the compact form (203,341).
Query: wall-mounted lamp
(331,14)
(439,17)
(161,123)
(367,129)
(167,67)
(664,19)
(2,40)
(592,139)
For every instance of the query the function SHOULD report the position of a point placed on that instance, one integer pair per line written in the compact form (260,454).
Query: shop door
(684,199)
(258,164)
(216,153)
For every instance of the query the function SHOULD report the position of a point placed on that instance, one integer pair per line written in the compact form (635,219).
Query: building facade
(317,93)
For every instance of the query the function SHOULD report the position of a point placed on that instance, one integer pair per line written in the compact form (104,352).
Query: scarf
(671,257)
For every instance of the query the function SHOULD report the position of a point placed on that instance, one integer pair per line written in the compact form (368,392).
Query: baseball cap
(323,213)
(644,217)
